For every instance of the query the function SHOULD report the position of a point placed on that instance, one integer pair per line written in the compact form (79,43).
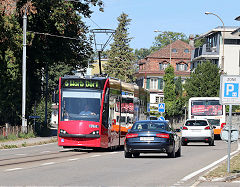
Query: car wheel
(136,154)
(127,154)
(178,153)
(172,154)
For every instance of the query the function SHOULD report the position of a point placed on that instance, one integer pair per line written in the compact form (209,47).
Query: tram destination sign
(230,89)
(82,83)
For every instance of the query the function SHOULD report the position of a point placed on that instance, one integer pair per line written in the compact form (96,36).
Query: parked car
(197,130)
(152,136)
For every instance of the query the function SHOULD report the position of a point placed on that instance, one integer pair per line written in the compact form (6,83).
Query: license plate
(146,138)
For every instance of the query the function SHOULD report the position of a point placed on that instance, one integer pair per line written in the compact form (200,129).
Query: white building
(226,56)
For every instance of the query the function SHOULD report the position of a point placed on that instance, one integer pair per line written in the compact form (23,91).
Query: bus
(208,108)
(96,112)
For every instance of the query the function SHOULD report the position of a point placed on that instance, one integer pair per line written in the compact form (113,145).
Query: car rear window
(196,123)
(149,126)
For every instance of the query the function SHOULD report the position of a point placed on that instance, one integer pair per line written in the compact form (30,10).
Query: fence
(13,130)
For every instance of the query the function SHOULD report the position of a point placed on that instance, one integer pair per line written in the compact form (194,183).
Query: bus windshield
(206,108)
(80,104)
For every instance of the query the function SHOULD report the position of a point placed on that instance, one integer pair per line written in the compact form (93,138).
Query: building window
(153,83)
(174,50)
(159,99)
(163,65)
(186,50)
(160,83)
(182,67)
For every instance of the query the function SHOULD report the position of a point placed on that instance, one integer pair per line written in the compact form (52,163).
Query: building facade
(151,68)
(225,54)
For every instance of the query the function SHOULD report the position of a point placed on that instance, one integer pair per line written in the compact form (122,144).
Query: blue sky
(186,16)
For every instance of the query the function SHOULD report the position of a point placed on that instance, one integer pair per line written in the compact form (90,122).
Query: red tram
(96,112)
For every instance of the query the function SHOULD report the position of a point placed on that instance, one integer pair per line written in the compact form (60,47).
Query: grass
(221,170)
(13,137)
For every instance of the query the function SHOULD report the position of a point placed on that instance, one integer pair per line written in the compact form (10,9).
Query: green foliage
(178,87)
(199,42)
(164,38)
(169,86)
(204,81)
(59,54)
(141,53)
(174,102)
(121,58)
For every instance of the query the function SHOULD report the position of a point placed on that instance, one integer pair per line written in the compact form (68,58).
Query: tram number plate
(146,138)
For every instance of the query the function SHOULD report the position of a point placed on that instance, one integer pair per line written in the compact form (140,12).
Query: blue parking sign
(231,89)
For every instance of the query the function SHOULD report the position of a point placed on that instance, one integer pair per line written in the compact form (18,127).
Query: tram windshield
(80,104)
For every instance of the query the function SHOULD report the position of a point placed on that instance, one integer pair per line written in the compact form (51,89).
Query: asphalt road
(49,164)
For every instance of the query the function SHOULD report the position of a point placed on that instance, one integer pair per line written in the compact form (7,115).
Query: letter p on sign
(231,90)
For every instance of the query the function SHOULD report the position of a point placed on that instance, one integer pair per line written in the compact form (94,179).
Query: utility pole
(24,120)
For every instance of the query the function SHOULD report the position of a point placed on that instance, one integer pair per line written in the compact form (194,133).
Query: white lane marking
(46,152)
(113,153)
(20,154)
(236,182)
(94,156)
(48,163)
(13,169)
(72,159)
(205,168)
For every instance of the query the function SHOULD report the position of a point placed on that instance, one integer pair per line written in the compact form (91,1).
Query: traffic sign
(161,107)
(230,89)
(148,107)
(161,118)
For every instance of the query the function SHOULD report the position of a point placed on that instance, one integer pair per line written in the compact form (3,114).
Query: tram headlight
(95,132)
(63,131)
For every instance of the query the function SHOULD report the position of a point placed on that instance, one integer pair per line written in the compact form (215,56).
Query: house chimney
(191,41)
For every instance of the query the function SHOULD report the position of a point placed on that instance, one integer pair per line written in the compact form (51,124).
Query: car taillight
(162,135)
(222,125)
(207,128)
(131,135)
(184,128)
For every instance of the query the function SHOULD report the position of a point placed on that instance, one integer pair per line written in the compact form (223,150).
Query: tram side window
(105,113)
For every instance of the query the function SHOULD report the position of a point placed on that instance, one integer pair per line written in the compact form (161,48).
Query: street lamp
(207,13)
(169,46)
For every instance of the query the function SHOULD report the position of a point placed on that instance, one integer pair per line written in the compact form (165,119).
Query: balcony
(205,52)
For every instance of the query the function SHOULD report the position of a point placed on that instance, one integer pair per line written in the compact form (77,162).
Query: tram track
(36,159)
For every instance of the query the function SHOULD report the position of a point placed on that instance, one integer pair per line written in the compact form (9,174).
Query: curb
(220,179)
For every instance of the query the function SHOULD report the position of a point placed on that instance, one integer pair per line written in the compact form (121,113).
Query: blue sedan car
(152,136)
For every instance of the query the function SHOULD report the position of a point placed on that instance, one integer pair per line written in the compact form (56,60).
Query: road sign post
(229,95)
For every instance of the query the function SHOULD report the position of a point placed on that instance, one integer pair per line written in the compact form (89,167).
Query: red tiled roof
(179,45)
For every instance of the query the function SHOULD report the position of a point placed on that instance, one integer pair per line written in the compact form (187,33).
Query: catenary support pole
(24,122)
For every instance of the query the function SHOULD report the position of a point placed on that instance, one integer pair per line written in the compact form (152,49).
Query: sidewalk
(29,141)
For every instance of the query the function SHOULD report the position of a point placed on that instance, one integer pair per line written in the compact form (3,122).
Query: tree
(120,56)
(172,94)
(204,81)
(178,87)
(46,20)
(141,53)
(163,39)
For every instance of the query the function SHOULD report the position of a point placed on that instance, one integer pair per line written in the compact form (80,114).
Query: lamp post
(223,35)
(170,45)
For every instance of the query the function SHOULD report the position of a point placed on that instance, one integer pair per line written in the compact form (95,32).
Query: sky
(186,16)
